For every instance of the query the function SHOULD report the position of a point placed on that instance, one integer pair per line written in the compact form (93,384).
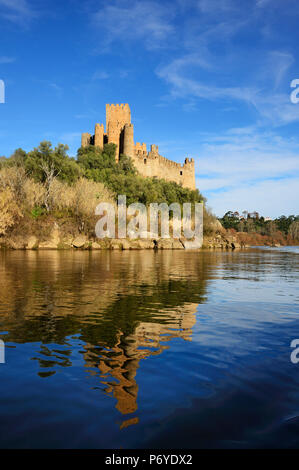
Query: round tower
(99,136)
(129,140)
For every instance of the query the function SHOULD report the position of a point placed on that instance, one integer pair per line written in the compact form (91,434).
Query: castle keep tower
(117,116)
(120,131)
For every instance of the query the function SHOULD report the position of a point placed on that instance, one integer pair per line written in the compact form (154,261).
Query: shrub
(37,212)
(34,194)
(211,224)
(85,198)
(9,210)
(14,179)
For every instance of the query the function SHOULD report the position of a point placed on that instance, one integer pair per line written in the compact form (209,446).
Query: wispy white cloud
(212,6)
(275,67)
(276,108)
(178,76)
(17,11)
(202,72)
(271,198)
(6,60)
(70,137)
(82,116)
(100,75)
(58,89)
(262,3)
(248,169)
(149,21)
(243,168)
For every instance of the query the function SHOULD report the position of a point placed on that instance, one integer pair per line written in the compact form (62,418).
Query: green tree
(283,223)
(44,159)
(230,221)
(294,230)
(16,159)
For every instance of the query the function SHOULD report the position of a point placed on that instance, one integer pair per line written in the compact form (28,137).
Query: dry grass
(10,212)
(22,196)
(256,239)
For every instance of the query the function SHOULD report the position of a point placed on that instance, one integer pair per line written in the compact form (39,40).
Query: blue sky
(208,79)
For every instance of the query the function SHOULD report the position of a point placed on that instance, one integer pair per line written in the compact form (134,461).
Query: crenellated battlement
(120,131)
(118,106)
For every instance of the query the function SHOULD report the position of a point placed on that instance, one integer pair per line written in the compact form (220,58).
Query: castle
(120,131)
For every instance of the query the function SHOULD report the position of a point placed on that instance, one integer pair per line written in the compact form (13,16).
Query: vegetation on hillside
(45,184)
(122,178)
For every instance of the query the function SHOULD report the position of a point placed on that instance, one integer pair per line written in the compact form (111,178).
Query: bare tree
(51,174)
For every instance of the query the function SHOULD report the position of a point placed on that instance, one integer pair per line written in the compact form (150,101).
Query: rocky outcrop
(169,244)
(56,240)
(116,244)
(95,246)
(52,242)
(223,242)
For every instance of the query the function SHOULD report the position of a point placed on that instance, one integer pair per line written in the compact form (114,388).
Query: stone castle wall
(153,165)
(120,131)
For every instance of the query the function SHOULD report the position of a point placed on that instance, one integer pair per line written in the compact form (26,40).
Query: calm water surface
(149,349)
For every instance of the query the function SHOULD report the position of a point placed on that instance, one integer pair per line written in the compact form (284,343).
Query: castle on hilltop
(120,131)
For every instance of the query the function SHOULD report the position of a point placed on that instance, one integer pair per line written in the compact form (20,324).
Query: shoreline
(82,243)
(56,239)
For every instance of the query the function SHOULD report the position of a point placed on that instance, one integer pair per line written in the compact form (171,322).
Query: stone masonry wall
(152,164)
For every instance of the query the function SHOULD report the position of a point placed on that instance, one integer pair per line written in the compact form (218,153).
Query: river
(145,349)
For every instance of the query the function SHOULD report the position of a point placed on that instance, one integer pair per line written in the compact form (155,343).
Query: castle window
(181,173)
(145,161)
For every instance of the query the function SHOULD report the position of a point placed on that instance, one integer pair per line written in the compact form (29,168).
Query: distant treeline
(287,226)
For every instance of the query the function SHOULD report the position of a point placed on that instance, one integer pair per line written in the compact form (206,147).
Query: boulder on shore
(80,241)
(32,243)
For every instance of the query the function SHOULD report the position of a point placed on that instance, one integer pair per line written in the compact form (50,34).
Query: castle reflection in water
(124,307)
